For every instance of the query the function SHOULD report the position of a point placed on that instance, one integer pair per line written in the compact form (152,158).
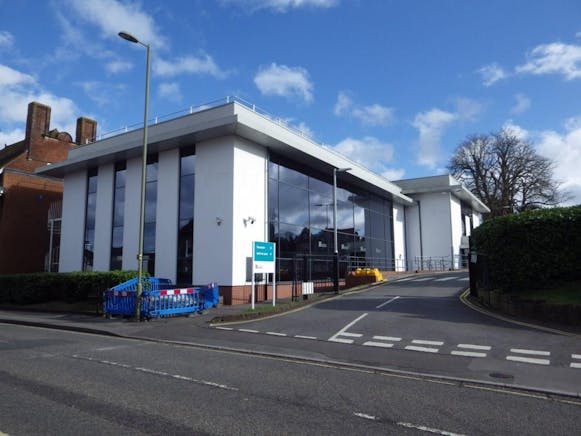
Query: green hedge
(532,249)
(70,287)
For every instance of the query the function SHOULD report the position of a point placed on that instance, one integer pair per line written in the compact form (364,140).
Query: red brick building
(25,197)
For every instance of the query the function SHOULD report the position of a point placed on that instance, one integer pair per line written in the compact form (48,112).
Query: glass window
(150,215)
(292,177)
(185,254)
(294,205)
(116,262)
(90,211)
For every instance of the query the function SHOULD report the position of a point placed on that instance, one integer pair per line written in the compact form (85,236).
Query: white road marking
(475,347)
(387,338)
(576,356)
(386,302)
(156,372)
(224,328)
(305,337)
(422,349)
(378,344)
(464,279)
(248,330)
(529,360)
(468,353)
(275,334)
(428,429)
(335,338)
(365,416)
(351,335)
(575,365)
(422,342)
(445,279)
(425,279)
(531,352)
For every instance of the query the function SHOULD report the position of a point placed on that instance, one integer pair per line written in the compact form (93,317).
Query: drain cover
(500,375)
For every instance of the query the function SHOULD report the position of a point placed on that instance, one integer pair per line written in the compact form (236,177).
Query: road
(65,383)
(420,325)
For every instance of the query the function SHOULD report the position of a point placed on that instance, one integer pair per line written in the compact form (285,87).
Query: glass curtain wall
(90,209)
(150,218)
(118,217)
(186,217)
(301,223)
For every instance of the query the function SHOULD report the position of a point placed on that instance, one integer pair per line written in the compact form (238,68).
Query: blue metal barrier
(158,298)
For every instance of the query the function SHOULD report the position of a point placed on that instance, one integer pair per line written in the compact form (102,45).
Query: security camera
(251,220)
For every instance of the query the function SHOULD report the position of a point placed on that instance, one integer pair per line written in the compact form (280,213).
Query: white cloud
(10,77)
(171,91)
(554,58)
(118,66)
(368,151)
(283,81)
(394,174)
(491,74)
(523,103)
(100,92)
(468,109)
(112,16)
(188,65)
(431,126)
(281,6)
(573,123)
(516,130)
(371,115)
(10,137)
(565,150)
(6,39)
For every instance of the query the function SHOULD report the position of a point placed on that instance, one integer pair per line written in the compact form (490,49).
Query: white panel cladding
(166,235)
(412,231)
(104,217)
(476,219)
(131,214)
(250,212)
(436,225)
(213,211)
(73,222)
(399,237)
(456,225)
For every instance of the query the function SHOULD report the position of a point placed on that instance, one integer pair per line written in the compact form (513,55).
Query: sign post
(263,262)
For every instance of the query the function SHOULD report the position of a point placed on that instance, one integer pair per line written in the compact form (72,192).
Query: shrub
(532,249)
(71,287)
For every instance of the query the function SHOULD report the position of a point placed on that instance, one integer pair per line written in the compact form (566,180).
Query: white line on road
(531,352)
(464,279)
(576,356)
(422,349)
(224,328)
(445,279)
(378,344)
(306,337)
(351,335)
(427,429)
(387,338)
(275,334)
(475,347)
(468,353)
(386,302)
(248,330)
(425,279)
(365,416)
(529,360)
(422,342)
(575,365)
(334,338)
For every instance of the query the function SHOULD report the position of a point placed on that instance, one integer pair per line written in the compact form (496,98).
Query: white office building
(222,177)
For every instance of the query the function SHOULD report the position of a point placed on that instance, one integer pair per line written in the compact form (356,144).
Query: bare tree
(506,173)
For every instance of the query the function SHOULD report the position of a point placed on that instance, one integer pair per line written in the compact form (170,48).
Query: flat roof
(227,119)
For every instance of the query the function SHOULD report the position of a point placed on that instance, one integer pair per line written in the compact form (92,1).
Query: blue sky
(394,85)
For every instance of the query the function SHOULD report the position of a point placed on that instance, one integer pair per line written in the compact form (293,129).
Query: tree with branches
(506,173)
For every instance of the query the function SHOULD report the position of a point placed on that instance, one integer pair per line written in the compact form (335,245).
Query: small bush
(532,249)
(70,287)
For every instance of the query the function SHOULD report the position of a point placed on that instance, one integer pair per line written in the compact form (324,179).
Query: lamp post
(128,37)
(335,245)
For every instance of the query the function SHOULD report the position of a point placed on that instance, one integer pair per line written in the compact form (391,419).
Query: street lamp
(139,293)
(335,245)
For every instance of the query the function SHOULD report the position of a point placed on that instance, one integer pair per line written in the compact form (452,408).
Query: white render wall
(73,222)
(399,237)
(166,235)
(213,211)
(104,217)
(456,225)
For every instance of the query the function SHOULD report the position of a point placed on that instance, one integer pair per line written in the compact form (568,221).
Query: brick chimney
(86,131)
(38,120)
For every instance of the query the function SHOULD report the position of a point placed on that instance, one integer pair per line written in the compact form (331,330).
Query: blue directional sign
(263,256)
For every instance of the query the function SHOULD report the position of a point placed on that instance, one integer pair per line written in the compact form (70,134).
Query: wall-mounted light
(249,220)
(218,221)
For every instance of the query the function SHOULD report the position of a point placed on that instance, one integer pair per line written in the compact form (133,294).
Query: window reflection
(184,273)
(90,210)
(116,262)
(150,214)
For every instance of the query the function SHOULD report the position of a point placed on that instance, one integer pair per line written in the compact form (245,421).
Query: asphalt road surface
(419,324)
(64,383)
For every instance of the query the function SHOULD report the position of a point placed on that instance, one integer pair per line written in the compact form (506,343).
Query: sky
(394,85)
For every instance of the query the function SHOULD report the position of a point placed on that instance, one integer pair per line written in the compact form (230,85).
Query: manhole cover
(501,375)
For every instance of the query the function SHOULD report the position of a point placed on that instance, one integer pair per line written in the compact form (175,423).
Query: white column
(73,222)
(166,235)
(104,217)
(399,237)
